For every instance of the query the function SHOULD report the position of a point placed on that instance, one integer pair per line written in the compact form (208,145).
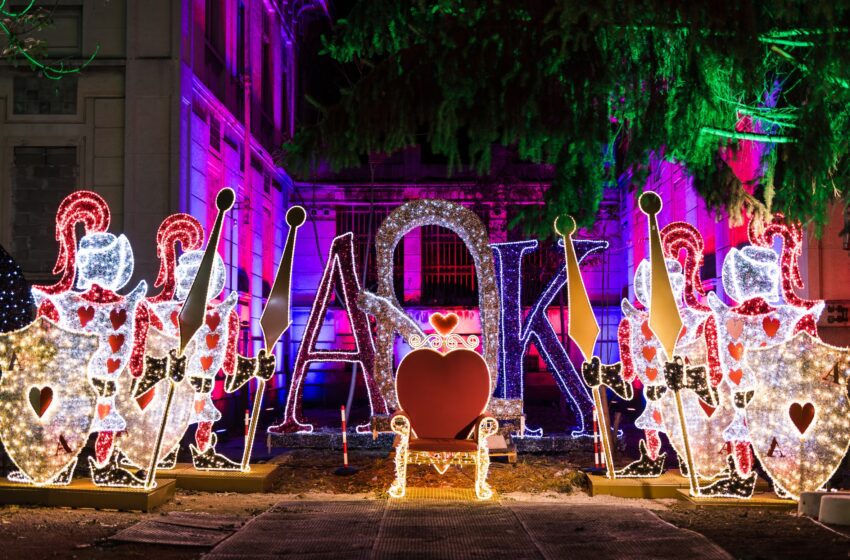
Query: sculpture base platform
(260,479)
(764,500)
(82,493)
(667,485)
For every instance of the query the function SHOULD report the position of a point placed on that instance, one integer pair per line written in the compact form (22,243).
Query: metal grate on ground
(181,529)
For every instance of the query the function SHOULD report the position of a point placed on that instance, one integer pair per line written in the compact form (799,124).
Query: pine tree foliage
(565,82)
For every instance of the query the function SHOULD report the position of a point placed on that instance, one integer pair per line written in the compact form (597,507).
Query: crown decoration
(445,336)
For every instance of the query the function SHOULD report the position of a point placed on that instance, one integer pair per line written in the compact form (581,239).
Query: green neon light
(769,138)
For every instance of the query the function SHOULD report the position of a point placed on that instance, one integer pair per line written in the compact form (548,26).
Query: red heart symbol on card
(709,410)
(682,333)
(145,399)
(175,319)
(734,327)
(802,416)
(770,326)
(443,324)
(213,321)
(644,328)
(112,365)
(116,341)
(648,353)
(103,410)
(212,341)
(736,350)
(656,415)
(735,376)
(85,314)
(40,399)
(118,318)
(651,373)
(206,362)
(199,406)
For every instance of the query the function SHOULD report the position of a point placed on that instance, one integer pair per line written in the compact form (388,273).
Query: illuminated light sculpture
(517,332)
(46,402)
(156,338)
(341,267)
(799,417)
(584,331)
(102,265)
(750,277)
(384,305)
(16,304)
(443,397)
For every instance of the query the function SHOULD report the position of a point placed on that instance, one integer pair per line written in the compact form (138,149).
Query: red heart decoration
(40,399)
(85,314)
(644,328)
(443,324)
(802,416)
(175,319)
(736,350)
(212,341)
(206,362)
(648,352)
(112,365)
(709,410)
(442,394)
(735,375)
(116,341)
(118,317)
(199,406)
(145,399)
(770,326)
(103,410)
(734,327)
(656,415)
(682,332)
(213,321)
(651,373)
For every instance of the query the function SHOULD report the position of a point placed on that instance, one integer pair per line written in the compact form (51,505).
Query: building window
(34,95)
(214,26)
(356,219)
(448,271)
(41,178)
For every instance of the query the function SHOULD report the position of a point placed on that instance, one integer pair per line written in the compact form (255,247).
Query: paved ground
(413,529)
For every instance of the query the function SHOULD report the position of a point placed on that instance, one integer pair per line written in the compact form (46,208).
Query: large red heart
(85,314)
(40,399)
(116,341)
(212,341)
(145,399)
(651,373)
(213,321)
(648,352)
(645,330)
(736,350)
(443,394)
(770,326)
(118,317)
(802,416)
(443,324)
(206,362)
(103,410)
(735,376)
(112,365)
(734,327)
(709,410)
(199,406)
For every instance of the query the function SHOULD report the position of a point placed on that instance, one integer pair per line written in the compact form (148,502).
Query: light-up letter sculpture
(340,265)
(101,266)
(516,332)
(584,331)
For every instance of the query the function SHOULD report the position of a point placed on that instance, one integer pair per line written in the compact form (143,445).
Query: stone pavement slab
(414,529)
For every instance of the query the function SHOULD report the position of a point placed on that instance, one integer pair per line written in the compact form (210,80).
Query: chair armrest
(485,427)
(400,424)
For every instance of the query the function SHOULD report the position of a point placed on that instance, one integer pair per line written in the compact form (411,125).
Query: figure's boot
(732,485)
(111,474)
(645,467)
(209,460)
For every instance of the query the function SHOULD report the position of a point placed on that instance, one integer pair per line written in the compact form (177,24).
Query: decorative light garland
(16,303)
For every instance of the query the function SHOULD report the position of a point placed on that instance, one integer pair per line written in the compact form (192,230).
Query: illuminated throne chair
(443,396)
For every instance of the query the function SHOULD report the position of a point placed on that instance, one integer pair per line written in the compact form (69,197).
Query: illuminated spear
(274,320)
(192,315)
(584,331)
(665,321)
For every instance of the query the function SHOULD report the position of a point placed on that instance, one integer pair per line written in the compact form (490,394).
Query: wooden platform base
(764,500)
(665,486)
(82,493)
(187,477)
